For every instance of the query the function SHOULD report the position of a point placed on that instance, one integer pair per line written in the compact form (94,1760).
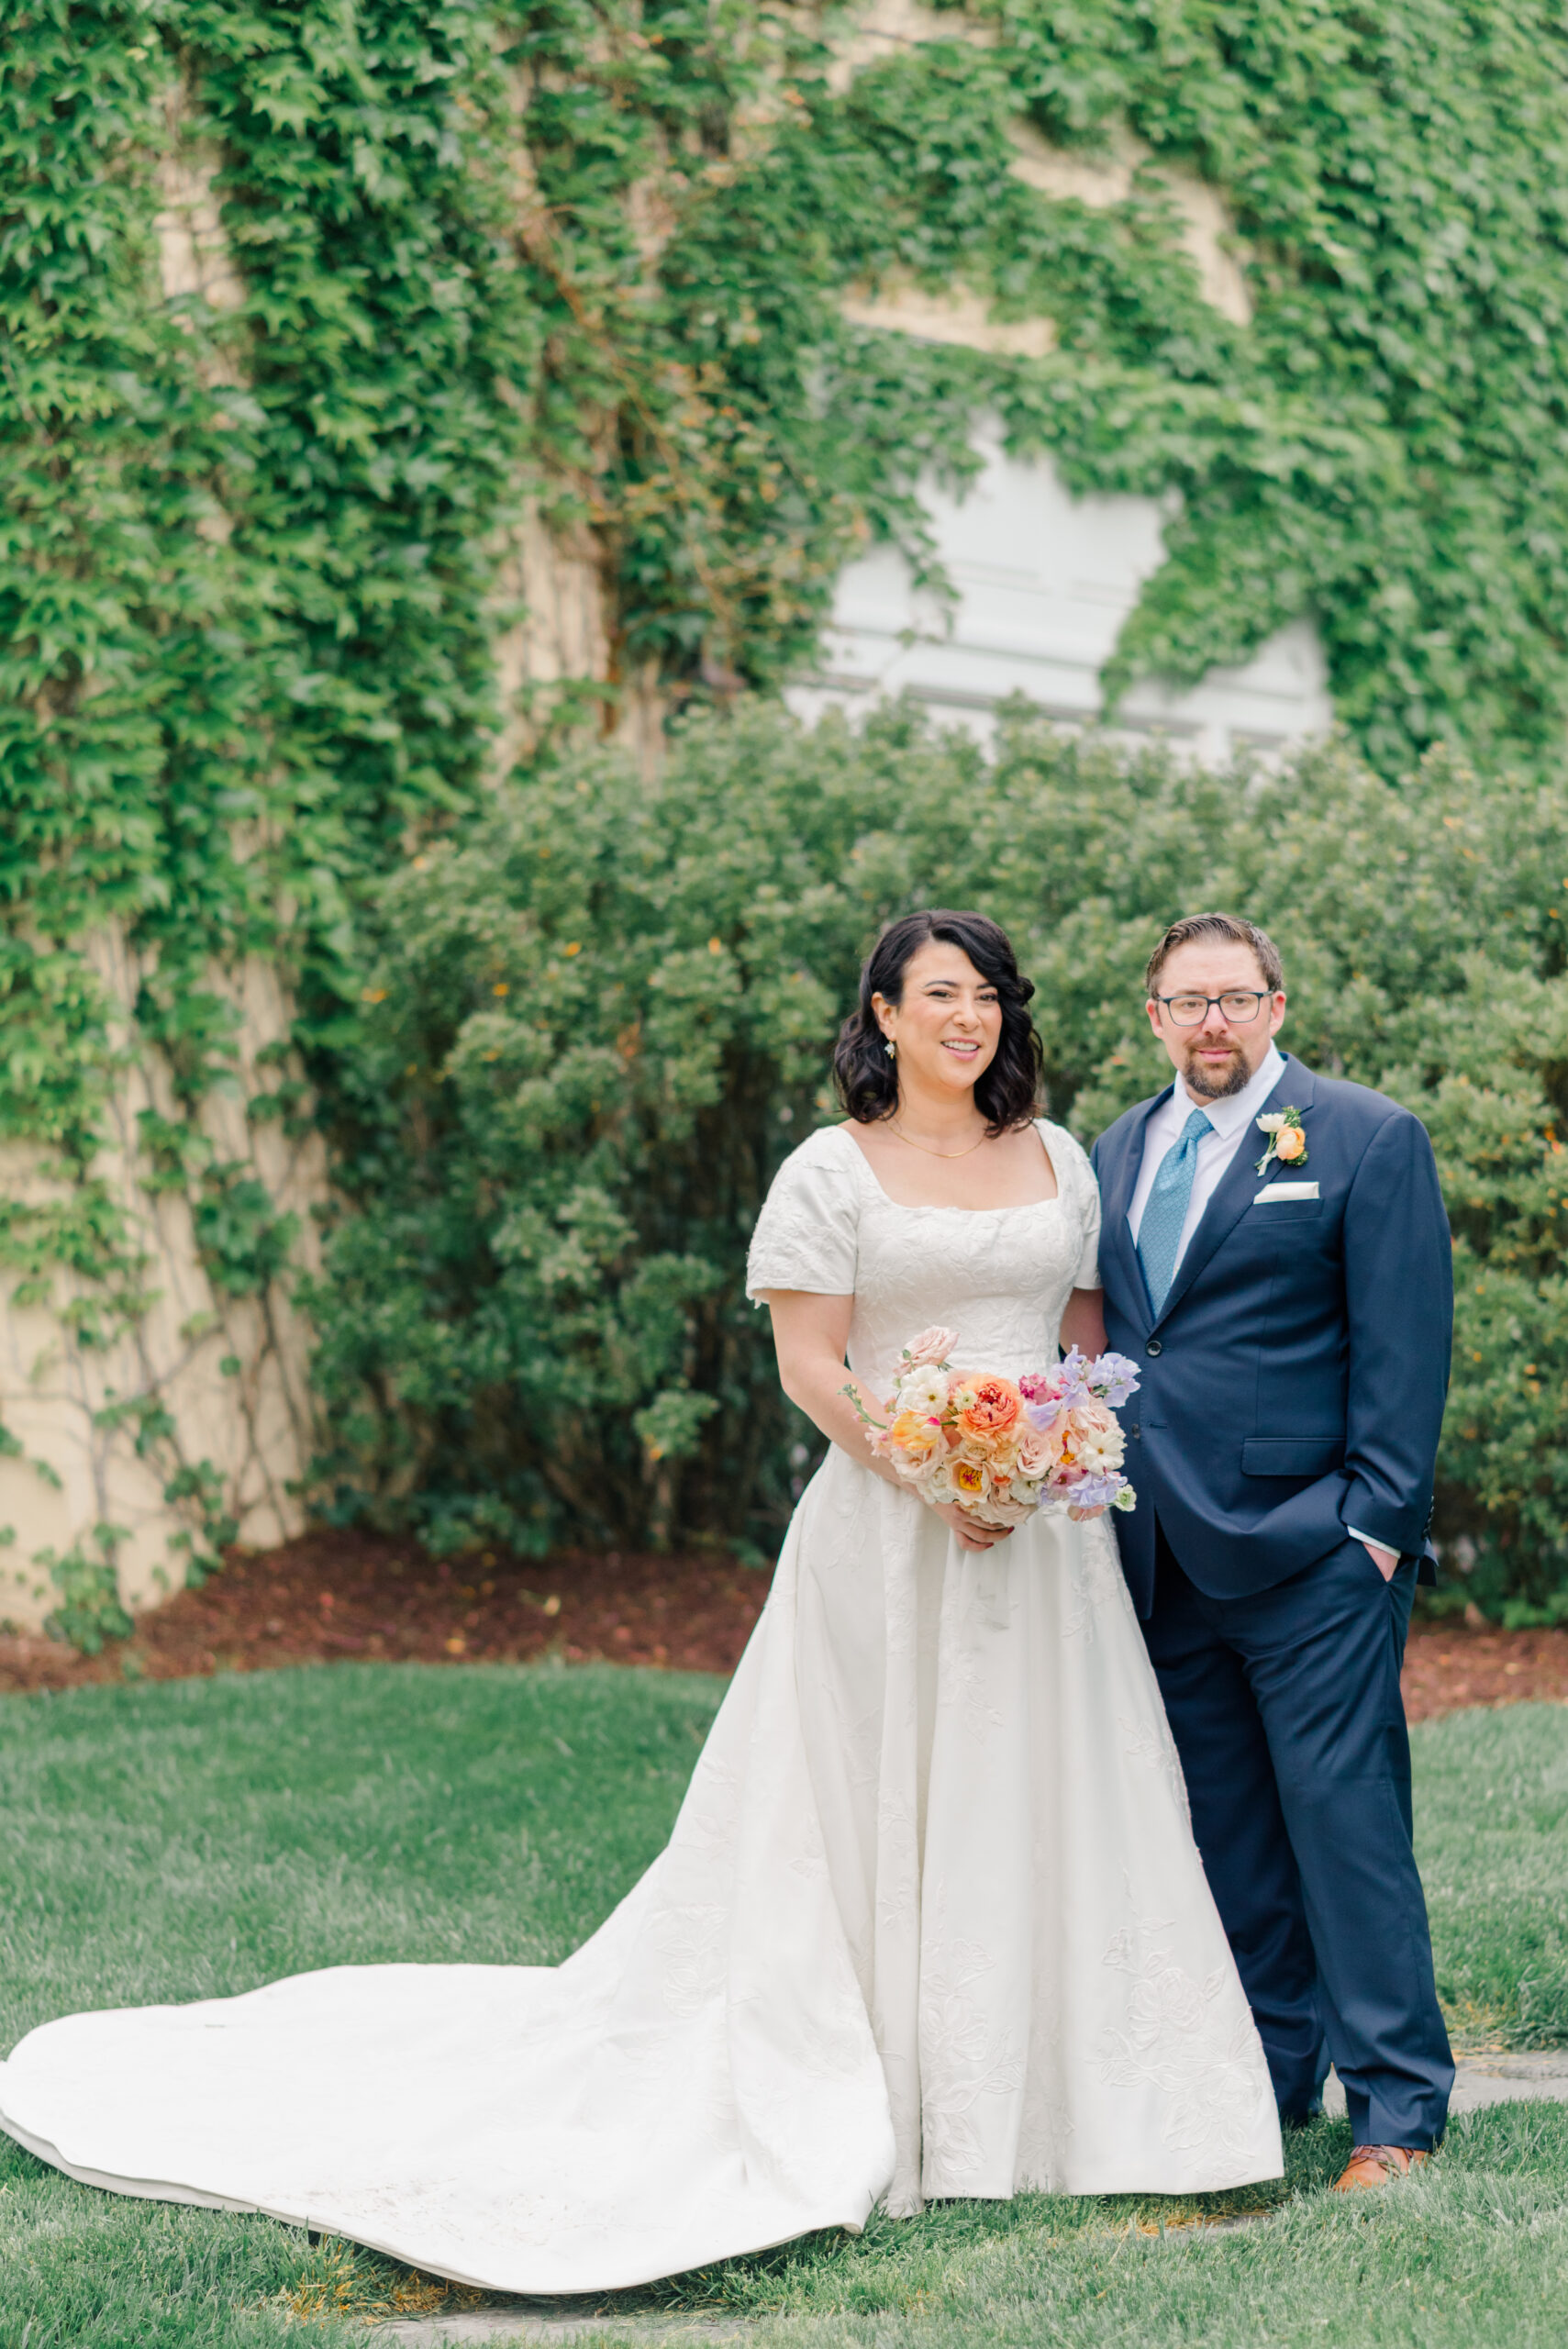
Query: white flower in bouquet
(924,1388)
(1100,1452)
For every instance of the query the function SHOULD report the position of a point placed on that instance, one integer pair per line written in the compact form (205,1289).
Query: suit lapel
(1113,1232)
(1233,1193)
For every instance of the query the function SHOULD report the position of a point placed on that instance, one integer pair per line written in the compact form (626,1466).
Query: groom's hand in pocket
(1384,1560)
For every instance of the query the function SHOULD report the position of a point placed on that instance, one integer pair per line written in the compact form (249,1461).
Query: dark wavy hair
(1008,1092)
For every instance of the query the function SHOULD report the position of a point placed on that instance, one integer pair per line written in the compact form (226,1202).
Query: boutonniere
(1286,1140)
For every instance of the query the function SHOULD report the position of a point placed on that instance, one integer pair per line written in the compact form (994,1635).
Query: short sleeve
(805,1235)
(1081,1195)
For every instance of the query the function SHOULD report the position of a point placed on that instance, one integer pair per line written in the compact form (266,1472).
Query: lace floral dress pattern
(930,1921)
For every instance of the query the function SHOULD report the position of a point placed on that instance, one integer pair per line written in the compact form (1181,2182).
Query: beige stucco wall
(230,1372)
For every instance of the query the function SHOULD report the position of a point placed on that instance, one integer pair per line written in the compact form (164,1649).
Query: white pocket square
(1285,1191)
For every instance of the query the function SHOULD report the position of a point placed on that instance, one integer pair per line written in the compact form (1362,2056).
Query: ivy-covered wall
(1382,445)
(489,267)
(245,655)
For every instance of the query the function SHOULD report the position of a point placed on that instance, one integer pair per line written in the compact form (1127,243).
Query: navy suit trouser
(1286,1712)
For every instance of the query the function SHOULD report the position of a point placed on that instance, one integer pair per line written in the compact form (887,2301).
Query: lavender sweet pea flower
(1105,1491)
(1117,1379)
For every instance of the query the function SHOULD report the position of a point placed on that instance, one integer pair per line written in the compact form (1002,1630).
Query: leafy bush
(603,1016)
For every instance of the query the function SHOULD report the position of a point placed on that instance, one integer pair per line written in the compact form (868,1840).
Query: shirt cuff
(1373,1540)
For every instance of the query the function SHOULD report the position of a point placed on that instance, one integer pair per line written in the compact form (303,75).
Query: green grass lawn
(189,1839)
(1492,1825)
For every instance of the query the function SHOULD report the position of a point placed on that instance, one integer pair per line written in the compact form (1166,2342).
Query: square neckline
(1023,1207)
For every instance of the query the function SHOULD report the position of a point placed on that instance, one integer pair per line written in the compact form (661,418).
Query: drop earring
(892,1050)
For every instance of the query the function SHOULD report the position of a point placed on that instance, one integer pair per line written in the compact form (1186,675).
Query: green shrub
(602,1016)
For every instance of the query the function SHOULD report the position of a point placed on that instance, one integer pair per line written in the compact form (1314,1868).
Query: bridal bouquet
(1001,1448)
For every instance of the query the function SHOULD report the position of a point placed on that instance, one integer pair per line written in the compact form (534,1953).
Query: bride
(931,1921)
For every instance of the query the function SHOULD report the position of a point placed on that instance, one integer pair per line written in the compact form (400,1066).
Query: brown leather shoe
(1373,2166)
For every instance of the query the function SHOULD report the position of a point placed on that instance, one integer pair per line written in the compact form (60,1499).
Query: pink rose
(1038,1451)
(933,1345)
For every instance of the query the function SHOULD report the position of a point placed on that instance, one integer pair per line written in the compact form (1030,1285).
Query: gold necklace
(927,1147)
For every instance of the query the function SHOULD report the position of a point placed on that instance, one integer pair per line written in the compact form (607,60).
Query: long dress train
(932,1921)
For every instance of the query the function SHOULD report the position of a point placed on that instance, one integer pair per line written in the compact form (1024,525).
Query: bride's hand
(973,1532)
(1083,1516)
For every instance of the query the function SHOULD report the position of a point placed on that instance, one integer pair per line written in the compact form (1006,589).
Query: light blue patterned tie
(1165,1210)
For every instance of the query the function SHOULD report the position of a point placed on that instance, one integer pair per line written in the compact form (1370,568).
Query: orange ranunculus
(1290,1143)
(989,1406)
(913,1437)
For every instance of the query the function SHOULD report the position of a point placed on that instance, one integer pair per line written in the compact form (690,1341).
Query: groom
(1276,1260)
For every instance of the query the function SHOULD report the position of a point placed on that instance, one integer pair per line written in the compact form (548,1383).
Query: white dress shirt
(1232,1121)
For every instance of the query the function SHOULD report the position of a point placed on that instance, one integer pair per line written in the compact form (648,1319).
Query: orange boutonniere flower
(1287,1142)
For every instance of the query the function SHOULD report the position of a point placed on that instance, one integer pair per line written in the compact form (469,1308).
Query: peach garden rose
(988,1406)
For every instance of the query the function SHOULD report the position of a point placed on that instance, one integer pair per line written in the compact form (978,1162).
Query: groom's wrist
(1384,1560)
(1373,1540)
(1367,1515)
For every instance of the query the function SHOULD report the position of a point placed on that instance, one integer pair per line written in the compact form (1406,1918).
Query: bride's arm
(1084,1322)
(810,1334)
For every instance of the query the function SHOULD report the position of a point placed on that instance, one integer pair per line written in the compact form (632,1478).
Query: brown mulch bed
(332,1594)
(1451,1665)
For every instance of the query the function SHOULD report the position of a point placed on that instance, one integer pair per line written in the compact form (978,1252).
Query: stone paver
(1481,2080)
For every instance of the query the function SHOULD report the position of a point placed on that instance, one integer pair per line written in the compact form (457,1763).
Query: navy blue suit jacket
(1294,1382)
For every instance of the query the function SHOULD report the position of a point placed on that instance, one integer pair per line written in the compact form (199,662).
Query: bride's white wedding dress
(932,1921)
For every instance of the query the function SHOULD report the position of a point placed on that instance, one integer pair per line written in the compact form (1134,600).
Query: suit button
(1135,1430)
(1154,1347)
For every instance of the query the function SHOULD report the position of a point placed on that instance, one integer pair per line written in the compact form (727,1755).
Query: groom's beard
(1217,1083)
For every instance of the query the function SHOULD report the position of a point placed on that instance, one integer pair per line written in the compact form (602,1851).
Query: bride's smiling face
(947,1022)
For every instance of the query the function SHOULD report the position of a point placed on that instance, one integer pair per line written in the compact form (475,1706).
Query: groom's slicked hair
(1227,927)
(1008,1094)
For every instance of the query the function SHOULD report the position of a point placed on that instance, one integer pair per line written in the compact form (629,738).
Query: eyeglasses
(1238,1007)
